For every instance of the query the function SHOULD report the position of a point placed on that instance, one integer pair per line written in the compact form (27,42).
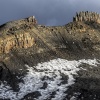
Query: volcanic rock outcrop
(87,16)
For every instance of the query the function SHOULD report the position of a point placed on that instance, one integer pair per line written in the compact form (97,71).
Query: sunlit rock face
(14,36)
(18,40)
(87,17)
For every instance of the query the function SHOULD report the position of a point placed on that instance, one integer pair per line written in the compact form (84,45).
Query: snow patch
(51,73)
(73,98)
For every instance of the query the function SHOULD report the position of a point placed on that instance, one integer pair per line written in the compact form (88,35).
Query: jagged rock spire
(87,16)
(32,19)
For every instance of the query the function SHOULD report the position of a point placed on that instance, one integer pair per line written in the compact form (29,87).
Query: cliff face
(22,40)
(13,37)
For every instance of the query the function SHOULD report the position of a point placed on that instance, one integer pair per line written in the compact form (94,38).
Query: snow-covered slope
(49,78)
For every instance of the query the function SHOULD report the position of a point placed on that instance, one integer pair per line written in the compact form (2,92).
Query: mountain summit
(87,17)
(24,43)
(83,32)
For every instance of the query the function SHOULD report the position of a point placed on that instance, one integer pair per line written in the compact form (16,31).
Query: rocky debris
(3,70)
(87,17)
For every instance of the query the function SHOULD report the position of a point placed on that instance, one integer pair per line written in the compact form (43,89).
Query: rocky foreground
(50,62)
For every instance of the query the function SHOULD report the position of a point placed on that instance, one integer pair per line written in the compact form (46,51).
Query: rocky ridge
(25,43)
(87,16)
(20,33)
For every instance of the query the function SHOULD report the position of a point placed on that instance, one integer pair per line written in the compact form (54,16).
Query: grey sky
(47,12)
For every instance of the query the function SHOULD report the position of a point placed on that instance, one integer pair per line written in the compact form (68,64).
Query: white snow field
(47,72)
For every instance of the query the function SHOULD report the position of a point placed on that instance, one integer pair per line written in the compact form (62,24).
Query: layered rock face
(87,16)
(12,35)
(23,40)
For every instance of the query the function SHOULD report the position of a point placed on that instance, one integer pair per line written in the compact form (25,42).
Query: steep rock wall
(13,34)
(22,40)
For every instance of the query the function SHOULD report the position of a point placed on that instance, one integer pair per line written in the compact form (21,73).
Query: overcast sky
(47,12)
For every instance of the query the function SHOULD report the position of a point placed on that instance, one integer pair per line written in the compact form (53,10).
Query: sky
(47,12)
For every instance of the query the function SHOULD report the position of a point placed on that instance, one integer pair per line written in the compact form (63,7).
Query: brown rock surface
(20,40)
(87,17)
(24,42)
(76,35)
(13,37)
